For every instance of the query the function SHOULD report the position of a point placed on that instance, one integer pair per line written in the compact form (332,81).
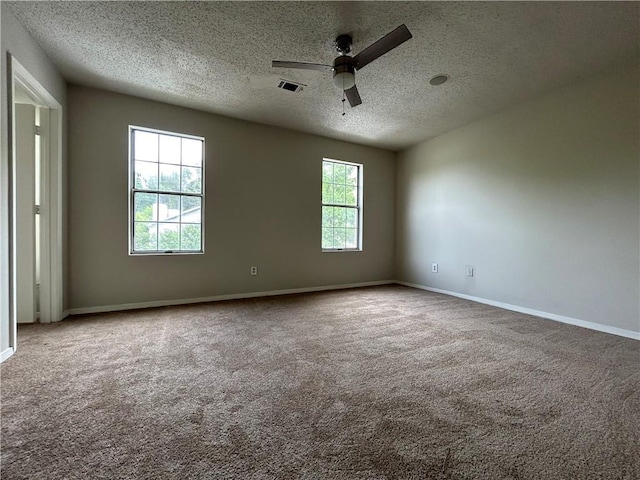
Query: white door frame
(51,286)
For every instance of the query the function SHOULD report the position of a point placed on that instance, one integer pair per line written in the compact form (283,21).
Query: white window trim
(359,206)
(131,214)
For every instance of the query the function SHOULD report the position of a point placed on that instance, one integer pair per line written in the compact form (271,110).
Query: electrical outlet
(434,268)
(254,270)
(469,271)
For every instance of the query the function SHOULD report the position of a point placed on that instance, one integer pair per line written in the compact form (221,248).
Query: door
(26,224)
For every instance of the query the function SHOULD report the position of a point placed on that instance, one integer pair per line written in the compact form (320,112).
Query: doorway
(35,204)
(28,171)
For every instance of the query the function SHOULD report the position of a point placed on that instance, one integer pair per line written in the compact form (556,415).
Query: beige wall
(262,207)
(18,42)
(542,199)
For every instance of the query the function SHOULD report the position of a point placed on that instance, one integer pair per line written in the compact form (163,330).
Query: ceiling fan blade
(353,96)
(303,65)
(377,49)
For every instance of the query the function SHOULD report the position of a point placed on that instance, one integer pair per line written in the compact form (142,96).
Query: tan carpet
(377,383)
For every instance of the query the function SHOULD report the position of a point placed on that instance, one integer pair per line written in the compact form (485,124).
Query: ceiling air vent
(290,86)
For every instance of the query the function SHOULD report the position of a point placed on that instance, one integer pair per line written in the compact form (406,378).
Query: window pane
(191,152)
(169,178)
(146,175)
(336,217)
(145,146)
(190,237)
(327,193)
(327,172)
(351,238)
(191,210)
(327,216)
(169,149)
(351,218)
(168,236)
(145,236)
(327,238)
(351,173)
(339,238)
(351,196)
(339,172)
(339,194)
(145,207)
(191,180)
(339,216)
(169,208)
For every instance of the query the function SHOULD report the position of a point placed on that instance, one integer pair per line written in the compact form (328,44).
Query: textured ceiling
(216,56)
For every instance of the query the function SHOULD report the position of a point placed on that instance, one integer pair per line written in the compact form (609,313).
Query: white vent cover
(290,86)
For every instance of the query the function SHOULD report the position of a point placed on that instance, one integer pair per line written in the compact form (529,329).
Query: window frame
(358,206)
(133,191)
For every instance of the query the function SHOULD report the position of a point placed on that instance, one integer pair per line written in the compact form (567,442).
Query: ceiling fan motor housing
(344,72)
(343,44)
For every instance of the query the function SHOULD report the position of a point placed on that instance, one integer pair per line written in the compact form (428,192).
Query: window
(167,192)
(341,205)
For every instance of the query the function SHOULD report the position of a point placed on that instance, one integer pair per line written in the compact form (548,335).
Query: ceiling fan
(345,66)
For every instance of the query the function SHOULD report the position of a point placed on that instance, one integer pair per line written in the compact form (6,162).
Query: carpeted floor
(373,383)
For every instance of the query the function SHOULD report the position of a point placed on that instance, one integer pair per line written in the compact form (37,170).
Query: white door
(25,211)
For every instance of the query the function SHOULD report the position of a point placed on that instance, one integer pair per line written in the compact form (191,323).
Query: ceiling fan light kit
(344,73)
(345,66)
(344,80)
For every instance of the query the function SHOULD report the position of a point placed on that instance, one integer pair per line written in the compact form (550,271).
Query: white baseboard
(217,298)
(6,354)
(529,311)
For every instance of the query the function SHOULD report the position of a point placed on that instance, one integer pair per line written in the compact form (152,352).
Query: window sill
(339,250)
(167,253)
